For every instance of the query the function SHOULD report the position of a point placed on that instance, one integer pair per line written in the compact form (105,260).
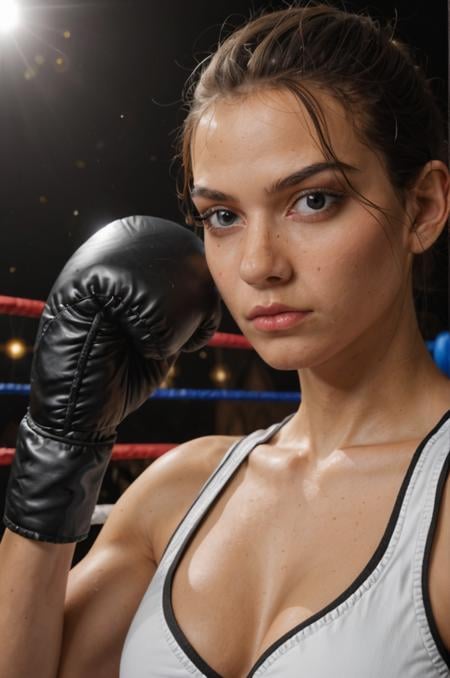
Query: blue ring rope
(186,393)
(439,348)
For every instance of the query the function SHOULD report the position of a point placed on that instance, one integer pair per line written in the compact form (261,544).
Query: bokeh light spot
(61,64)
(220,374)
(15,349)
(29,73)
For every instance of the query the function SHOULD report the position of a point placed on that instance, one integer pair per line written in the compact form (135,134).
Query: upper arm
(104,590)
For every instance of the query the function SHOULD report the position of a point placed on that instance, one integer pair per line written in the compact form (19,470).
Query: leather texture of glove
(126,303)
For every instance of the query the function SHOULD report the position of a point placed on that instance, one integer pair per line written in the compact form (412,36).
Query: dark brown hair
(352,57)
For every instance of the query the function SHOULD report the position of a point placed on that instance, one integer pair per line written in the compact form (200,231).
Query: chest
(273,550)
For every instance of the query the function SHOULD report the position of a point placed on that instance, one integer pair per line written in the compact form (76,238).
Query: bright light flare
(15,349)
(9,15)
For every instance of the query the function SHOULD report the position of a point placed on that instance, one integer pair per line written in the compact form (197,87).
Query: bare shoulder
(198,456)
(166,489)
(160,496)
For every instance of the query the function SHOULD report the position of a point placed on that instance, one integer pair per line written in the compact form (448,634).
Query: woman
(313,160)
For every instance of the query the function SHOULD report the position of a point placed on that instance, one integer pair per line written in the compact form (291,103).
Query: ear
(429,204)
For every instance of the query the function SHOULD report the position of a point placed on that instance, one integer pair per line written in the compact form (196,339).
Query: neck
(383,388)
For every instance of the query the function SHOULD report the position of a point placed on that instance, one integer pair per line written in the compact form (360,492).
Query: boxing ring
(439,348)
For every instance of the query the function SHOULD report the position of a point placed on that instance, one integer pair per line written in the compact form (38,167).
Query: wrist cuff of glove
(54,484)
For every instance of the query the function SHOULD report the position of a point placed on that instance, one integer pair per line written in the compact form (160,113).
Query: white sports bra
(379,627)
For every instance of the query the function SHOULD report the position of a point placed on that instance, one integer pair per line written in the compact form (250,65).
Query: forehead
(269,129)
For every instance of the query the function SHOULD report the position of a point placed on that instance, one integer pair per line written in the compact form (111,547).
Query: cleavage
(232,614)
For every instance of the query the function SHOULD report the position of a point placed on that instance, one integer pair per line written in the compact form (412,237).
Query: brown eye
(313,203)
(316,201)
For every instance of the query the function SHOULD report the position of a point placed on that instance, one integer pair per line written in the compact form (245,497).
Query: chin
(283,359)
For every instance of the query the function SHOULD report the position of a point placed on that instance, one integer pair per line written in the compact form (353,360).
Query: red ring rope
(121,451)
(28,308)
(32,308)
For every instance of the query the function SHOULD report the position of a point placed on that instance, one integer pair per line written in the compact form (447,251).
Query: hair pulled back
(350,56)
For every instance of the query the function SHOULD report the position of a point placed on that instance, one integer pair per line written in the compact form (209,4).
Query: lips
(273,309)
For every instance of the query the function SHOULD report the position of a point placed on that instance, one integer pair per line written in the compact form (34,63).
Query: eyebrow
(279,185)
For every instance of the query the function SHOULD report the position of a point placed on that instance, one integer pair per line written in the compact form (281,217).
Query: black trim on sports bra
(445,654)
(169,614)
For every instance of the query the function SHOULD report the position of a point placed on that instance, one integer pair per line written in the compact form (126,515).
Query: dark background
(87,130)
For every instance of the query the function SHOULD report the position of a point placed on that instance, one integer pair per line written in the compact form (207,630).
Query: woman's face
(282,227)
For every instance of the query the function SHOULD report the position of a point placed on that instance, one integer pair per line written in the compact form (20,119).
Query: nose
(264,256)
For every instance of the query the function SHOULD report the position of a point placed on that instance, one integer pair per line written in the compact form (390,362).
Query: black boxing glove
(127,302)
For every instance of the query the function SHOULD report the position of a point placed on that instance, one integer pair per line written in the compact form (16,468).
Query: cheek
(219,264)
(362,276)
